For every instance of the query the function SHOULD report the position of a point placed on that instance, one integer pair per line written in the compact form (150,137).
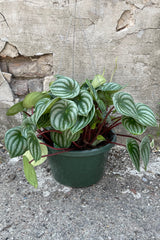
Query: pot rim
(90,152)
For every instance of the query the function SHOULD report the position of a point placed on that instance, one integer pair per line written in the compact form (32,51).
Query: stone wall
(41,38)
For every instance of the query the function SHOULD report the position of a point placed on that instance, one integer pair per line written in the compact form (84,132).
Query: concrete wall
(36,41)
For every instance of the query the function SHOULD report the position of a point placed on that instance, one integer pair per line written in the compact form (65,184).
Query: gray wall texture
(40,38)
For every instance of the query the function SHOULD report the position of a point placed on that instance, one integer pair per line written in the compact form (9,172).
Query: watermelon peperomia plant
(72,117)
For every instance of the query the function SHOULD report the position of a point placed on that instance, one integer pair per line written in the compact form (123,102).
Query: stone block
(20,87)
(5,90)
(33,67)
(35,85)
(47,81)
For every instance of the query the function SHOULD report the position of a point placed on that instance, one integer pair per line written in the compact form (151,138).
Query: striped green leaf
(15,143)
(83,121)
(145,150)
(16,108)
(63,114)
(106,97)
(133,126)
(65,87)
(84,103)
(29,172)
(64,139)
(43,106)
(134,152)
(145,115)
(44,121)
(34,146)
(92,90)
(110,87)
(28,125)
(102,107)
(44,151)
(32,98)
(124,104)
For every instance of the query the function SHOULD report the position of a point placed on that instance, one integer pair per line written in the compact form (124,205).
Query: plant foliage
(71,116)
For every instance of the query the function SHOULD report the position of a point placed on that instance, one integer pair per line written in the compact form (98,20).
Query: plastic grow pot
(80,168)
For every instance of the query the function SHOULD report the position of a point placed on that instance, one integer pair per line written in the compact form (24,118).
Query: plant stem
(119,144)
(78,146)
(47,131)
(27,113)
(123,135)
(101,125)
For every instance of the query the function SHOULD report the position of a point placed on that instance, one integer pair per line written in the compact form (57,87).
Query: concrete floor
(124,205)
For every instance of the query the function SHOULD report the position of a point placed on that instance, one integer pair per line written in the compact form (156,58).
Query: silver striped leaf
(29,172)
(32,98)
(64,139)
(43,106)
(92,90)
(65,87)
(133,126)
(27,125)
(110,87)
(44,151)
(124,104)
(145,115)
(63,114)
(44,121)
(34,146)
(84,102)
(15,142)
(134,152)
(83,121)
(145,150)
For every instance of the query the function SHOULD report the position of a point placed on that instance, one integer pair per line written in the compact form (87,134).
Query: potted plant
(74,126)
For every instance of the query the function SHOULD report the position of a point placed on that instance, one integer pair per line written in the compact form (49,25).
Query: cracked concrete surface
(124,205)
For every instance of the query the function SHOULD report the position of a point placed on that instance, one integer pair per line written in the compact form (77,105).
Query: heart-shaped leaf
(29,172)
(34,146)
(124,104)
(133,126)
(63,114)
(65,87)
(110,87)
(43,106)
(64,139)
(83,121)
(16,108)
(44,151)
(44,121)
(28,125)
(84,102)
(145,115)
(32,98)
(15,143)
(134,152)
(145,150)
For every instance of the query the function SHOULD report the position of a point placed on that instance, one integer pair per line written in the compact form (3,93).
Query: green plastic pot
(80,168)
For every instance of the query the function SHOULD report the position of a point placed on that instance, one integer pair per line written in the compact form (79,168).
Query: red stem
(78,146)
(119,144)
(27,113)
(102,124)
(42,132)
(123,135)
